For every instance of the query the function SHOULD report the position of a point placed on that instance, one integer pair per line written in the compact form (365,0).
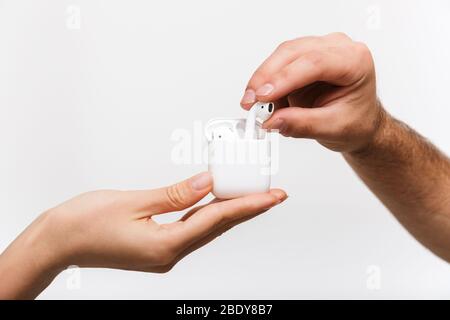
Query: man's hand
(324,88)
(115,229)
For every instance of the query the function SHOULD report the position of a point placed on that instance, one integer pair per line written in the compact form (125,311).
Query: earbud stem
(250,124)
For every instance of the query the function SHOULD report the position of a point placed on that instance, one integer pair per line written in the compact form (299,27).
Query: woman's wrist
(32,261)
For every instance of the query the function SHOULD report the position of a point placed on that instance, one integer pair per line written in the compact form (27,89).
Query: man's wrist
(382,125)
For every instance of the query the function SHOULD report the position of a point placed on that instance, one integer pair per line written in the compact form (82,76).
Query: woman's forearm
(412,178)
(30,263)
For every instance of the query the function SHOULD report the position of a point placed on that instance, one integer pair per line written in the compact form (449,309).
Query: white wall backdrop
(88,90)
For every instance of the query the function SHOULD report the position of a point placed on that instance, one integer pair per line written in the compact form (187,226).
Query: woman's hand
(115,229)
(323,88)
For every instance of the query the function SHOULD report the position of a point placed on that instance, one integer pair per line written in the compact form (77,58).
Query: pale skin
(324,88)
(115,229)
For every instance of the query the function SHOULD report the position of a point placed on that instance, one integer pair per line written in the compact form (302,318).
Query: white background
(95,106)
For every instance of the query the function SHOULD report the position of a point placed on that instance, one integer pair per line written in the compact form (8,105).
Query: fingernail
(264,90)
(201,181)
(284,197)
(280,200)
(249,97)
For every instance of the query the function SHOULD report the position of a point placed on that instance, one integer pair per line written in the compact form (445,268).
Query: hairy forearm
(412,178)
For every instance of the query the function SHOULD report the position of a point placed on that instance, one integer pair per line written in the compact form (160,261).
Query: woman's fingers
(205,240)
(218,214)
(195,209)
(176,197)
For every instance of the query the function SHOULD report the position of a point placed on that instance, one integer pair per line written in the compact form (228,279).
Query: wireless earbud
(260,110)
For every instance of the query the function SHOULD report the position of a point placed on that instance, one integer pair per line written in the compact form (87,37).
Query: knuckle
(304,129)
(221,216)
(363,51)
(363,56)
(307,38)
(315,60)
(293,44)
(283,75)
(339,36)
(307,130)
(361,46)
(250,206)
(176,195)
(347,72)
(314,57)
(285,45)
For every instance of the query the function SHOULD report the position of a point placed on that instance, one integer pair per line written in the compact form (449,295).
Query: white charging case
(239,166)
